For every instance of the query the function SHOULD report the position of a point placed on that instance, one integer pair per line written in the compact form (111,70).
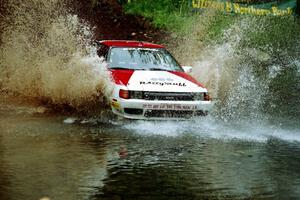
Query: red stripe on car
(187,77)
(121,77)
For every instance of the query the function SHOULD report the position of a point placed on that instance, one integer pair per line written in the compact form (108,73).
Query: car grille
(169,96)
(169,114)
(133,111)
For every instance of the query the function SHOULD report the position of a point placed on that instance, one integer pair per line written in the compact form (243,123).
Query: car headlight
(136,94)
(199,96)
(124,94)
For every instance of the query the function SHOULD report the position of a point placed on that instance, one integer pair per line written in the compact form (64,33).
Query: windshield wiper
(118,68)
(157,69)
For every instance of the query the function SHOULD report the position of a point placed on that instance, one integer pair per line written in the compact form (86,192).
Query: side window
(102,51)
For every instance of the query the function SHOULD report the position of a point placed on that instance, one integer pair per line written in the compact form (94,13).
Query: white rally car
(150,84)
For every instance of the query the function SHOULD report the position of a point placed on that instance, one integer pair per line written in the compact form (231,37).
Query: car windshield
(142,59)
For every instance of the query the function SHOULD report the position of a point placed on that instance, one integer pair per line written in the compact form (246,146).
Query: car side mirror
(187,69)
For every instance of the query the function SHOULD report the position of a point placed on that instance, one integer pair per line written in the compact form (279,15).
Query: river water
(58,157)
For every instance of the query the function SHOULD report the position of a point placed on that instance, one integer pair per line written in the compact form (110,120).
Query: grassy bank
(176,16)
(168,14)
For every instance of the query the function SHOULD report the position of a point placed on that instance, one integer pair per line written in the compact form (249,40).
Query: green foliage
(220,23)
(279,38)
(284,94)
(177,16)
(278,33)
(169,14)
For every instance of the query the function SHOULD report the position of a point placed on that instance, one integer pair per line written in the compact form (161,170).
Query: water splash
(243,76)
(47,54)
(243,80)
(211,128)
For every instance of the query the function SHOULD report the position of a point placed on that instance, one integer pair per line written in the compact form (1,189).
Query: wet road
(41,156)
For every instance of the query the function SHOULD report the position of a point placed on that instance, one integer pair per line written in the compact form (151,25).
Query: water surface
(41,156)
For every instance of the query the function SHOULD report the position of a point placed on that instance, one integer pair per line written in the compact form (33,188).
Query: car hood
(157,81)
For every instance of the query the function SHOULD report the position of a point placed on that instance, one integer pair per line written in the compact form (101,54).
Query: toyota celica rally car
(150,84)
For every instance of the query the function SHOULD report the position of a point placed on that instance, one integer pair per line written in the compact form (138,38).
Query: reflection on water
(43,158)
(186,168)
(40,156)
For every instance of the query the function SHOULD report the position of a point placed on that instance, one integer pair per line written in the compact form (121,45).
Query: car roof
(129,43)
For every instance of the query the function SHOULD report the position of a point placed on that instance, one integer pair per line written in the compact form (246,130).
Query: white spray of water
(227,70)
(224,69)
(47,54)
(210,128)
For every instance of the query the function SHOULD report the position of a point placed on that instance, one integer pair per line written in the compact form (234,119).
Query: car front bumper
(146,109)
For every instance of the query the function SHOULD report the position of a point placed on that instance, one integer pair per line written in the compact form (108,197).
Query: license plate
(169,107)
